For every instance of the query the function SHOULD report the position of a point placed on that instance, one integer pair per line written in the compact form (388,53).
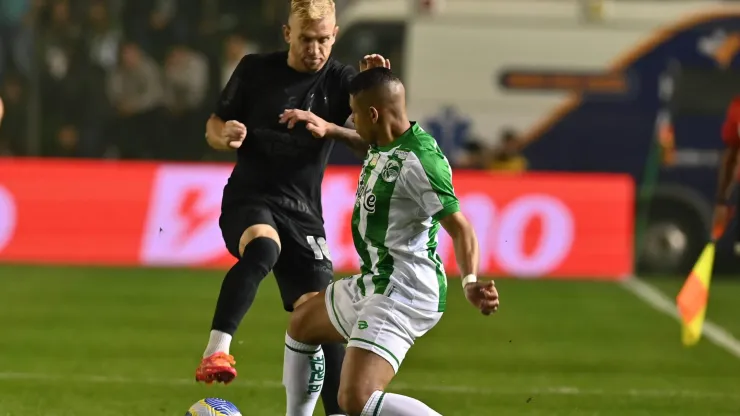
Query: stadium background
(111,259)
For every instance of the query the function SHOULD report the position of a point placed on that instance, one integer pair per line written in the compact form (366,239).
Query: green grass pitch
(95,341)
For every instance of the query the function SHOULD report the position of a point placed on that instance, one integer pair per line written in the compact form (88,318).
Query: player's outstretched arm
(482,295)
(322,129)
(224,135)
(350,138)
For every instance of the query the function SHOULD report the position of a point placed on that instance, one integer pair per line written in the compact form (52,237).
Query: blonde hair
(312,9)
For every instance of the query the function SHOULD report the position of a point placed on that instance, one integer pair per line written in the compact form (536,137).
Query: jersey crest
(391,171)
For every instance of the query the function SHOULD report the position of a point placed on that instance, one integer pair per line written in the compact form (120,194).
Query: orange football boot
(217,367)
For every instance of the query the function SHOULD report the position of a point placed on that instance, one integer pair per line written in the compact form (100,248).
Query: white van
(451,60)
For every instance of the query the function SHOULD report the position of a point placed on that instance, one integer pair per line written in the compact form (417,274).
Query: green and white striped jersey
(405,188)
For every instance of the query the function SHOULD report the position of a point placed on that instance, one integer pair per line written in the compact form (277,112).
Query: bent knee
(303,299)
(298,327)
(257,231)
(307,321)
(353,398)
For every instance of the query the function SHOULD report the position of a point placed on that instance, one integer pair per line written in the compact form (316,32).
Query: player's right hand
(483,295)
(234,133)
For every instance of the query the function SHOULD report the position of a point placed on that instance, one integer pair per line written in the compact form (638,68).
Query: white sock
(389,404)
(217,342)
(303,376)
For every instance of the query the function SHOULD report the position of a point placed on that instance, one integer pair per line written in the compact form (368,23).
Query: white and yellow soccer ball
(213,407)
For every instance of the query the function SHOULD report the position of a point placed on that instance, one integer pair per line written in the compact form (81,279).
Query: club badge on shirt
(391,171)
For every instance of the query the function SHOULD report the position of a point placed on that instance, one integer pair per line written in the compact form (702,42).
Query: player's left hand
(318,127)
(483,295)
(374,61)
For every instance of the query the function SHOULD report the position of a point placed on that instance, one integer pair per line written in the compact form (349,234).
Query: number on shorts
(319,247)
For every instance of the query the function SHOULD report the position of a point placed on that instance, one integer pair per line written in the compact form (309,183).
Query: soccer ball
(213,407)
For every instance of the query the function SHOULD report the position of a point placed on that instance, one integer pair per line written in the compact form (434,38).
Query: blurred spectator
(274,16)
(14,124)
(103,38)
(236,46)
(60,39)
(77,111)
(185,89)
(473,155)
(136,93)
(507,156)
(94,112)
(73,78)
(151,24)
(17,18)
(186,79)
(111,80)
(213,16)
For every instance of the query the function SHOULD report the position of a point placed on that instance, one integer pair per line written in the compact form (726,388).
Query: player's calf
(333,357)
(304,363)
(239,289)
(259,249)
(365,375)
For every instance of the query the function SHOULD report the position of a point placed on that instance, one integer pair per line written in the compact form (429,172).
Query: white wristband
(469,279)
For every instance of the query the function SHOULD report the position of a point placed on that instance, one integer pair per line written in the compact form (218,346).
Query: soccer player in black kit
(282,112)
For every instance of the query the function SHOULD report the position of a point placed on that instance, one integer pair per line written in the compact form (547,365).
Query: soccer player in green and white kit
(404,194)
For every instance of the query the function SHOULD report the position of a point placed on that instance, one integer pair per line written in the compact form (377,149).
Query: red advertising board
(152,214)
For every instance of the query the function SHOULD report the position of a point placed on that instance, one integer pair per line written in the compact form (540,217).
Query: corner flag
(693,297)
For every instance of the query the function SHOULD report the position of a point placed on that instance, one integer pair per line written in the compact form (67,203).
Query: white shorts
(376,323)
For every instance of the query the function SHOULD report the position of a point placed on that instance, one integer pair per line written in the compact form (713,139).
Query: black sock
(241,282)
(333,356)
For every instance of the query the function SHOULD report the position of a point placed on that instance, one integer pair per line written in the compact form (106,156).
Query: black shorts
(304,264)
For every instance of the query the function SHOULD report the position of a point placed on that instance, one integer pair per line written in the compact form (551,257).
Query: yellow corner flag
(694,295)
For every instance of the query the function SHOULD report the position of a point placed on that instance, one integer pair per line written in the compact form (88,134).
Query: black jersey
(283,167)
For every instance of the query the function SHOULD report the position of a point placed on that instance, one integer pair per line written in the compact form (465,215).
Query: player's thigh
(333,321)
(241,223)
(310,322)
(304,268)
(390,328)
